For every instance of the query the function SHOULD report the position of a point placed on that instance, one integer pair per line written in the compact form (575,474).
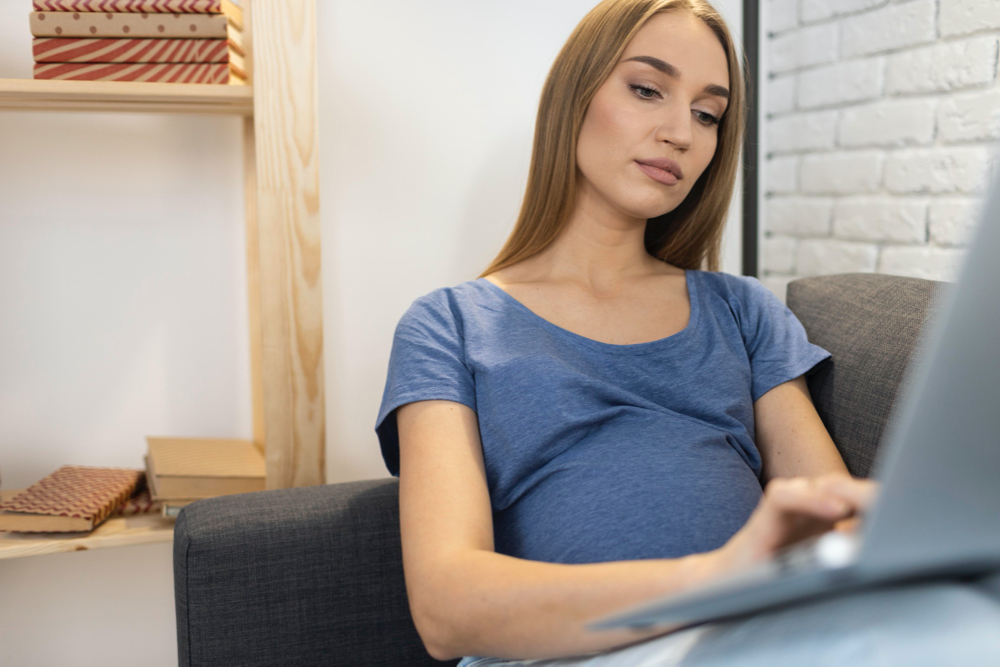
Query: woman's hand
(792,510)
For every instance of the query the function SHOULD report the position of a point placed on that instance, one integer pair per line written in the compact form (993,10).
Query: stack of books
(179,41)
(72,499)
(182,470)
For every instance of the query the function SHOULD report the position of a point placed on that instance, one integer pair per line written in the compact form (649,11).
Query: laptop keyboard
(833,549)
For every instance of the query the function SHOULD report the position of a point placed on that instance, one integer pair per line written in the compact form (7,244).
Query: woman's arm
(791,438)
(468,600)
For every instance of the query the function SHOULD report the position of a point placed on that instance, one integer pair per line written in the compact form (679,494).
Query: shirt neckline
(613,348)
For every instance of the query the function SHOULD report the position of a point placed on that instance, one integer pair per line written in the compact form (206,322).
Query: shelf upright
(281,155)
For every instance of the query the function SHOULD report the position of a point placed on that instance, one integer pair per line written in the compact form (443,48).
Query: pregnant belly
(649,498)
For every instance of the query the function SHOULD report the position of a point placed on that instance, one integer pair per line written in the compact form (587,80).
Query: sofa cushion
(871,324)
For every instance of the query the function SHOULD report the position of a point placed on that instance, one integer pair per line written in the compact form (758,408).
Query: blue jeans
(939,623)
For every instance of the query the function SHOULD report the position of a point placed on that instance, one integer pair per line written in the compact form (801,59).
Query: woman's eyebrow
(674,73)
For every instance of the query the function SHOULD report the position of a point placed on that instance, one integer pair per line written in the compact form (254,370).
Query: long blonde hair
(689,236)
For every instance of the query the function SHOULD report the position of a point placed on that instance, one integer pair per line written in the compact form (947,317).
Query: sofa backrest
(871,324)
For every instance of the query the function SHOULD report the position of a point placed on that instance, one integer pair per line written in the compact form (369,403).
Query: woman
(590,423)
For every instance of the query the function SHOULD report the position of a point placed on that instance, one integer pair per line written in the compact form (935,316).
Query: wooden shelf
(116,532)
(281,203)
(46,95)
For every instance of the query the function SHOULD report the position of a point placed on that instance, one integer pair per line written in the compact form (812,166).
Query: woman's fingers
(830,497)
(859,493)
(794,509)
(804,496)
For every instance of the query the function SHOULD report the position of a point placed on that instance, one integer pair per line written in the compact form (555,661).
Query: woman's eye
(706,118)
(644,92)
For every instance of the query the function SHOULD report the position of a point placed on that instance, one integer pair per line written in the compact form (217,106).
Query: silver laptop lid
(940,494)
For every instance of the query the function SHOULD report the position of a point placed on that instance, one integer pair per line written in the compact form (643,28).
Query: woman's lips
(657,174)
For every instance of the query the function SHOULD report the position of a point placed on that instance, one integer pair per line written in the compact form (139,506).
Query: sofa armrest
(308,576)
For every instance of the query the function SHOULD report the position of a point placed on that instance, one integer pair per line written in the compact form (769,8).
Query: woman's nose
(676,126)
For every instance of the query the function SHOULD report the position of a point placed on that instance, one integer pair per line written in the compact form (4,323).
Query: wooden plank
(48,95)
(115,532)
(253,282)
(253,250)
(119,532)
(288,228)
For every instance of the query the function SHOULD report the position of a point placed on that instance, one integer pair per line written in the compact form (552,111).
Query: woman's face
(661,103)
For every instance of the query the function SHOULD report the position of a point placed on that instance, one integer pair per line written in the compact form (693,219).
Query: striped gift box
(165,72)
(134,6)
(70,50)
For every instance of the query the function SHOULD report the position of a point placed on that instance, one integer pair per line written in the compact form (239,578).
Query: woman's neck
(599,248)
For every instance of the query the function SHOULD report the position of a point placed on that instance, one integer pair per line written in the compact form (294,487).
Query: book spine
(134,6)
(164,72)
(83,50)
(140,503)
(124,25)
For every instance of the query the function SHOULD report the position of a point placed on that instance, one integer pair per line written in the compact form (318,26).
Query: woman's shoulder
(443,307)
(744,291)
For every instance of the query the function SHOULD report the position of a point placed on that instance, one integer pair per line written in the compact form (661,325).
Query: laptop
(937,513)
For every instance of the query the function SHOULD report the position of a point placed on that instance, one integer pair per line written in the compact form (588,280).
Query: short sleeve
(776,341)
(427,361)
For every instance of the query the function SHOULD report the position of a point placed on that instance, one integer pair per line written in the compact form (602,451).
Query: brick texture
(817,10)
(889,28)
(960,17)
(880,219)
(970,117)
(780,93)
(943,67)
(800,48)
(903,122)
(881,130)
(802,131)
(800,216)
(849,81)
(841,173)
(937,170)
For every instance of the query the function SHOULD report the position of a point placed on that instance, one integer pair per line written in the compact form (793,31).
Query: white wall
(882,123)
(122,283)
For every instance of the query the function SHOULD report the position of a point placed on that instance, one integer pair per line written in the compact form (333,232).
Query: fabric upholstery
(871,325)
(309,576)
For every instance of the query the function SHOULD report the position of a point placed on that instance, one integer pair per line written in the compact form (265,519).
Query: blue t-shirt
(595,451)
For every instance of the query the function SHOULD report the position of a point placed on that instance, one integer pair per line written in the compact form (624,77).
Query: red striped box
(135,6)
(83,50)
(165,72)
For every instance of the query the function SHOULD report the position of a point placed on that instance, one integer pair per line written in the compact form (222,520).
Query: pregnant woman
(601,417)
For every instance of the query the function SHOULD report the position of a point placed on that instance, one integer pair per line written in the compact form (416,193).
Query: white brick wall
(887,123)
(888,28)
(882,126)
(849,81)
(947,66)
(960,17)
(841,172)
(970,117)
(801,48)
(951,220)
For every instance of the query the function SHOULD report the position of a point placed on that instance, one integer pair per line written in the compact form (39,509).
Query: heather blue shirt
(595,451)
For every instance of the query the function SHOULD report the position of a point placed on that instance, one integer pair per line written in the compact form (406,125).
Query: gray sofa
(313,576)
